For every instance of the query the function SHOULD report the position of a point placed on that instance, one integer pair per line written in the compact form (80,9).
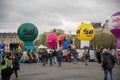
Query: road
(68,71)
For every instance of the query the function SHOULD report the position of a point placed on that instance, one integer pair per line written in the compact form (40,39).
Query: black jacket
(50,55)
(74,53)
(55,53)
(108,61)
(60,54)
(15,64)
(7,71)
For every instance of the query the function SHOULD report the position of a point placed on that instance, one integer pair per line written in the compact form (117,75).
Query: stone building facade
(8,39)
(101,28)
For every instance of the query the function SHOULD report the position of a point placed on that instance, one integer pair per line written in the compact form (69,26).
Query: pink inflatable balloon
(61,37)
(51,40)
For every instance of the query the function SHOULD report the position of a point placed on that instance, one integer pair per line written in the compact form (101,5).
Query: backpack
(74,53)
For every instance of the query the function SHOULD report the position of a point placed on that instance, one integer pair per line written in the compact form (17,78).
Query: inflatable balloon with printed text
(114,26)
(85,32)
(51,40)
(28,32)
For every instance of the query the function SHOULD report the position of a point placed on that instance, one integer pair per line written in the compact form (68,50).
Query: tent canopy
(42,47)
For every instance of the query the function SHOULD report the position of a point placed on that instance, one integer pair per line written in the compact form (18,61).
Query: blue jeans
(44,61)
(106,74)
(60,61)
(55,59)
(51,61)
(75,60)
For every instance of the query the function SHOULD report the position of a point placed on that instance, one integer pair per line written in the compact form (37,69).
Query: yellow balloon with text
(85,32)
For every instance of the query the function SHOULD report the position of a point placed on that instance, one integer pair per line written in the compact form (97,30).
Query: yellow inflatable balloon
(85,32)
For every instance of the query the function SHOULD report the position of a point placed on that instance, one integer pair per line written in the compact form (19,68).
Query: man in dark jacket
(44,56)
(6,68)
(50,55)
(15,65)
(60,57)
(75,55)
(55,56)
(108,63)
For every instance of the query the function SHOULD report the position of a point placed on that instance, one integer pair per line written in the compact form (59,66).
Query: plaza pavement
(68,71)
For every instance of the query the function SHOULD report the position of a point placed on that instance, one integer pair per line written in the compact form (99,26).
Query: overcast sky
(49,14)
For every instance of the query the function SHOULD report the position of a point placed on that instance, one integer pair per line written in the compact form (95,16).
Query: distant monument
(105,27)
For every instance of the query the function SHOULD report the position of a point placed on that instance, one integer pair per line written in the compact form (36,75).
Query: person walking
(85,57)
(108,62)
(30,56)
(50,55)
(40,56)
(60,57)
(98,56)
(75,55)
(6,68)
(44,57)
(18,56)
(15,66)
(115,55)
(5,71)
(118,57)
(55,56)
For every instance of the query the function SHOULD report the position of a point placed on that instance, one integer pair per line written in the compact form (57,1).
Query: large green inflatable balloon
(27,32)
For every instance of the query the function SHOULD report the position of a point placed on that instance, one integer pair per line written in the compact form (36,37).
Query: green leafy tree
(99,41)
(42,38)
(103,40)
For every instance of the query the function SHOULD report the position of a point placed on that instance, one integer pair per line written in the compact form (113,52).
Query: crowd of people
(11,62)
(55,56)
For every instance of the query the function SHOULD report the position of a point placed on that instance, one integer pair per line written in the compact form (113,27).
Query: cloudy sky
(49,14)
